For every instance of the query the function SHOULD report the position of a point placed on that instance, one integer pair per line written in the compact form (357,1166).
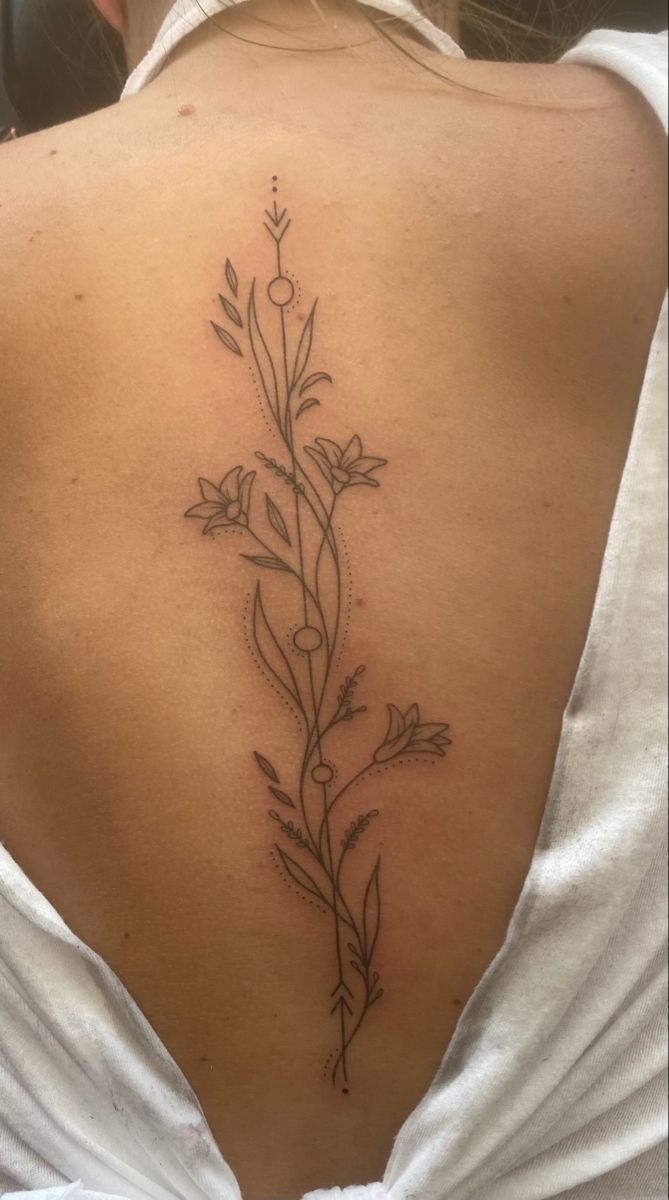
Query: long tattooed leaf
(262,357)
(266,766)
(305,405)
(313,379)
(230,311)
(304,348)
(227,339)
(231,276)
(276,520)
(270,651)
(371,912)
(299,875)
(267,560)
(281,796)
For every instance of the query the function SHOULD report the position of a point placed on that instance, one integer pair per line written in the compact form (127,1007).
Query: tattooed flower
(406,735)
(227,504)
(342,468)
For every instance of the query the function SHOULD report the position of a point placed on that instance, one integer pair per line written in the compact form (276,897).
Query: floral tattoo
(294,538)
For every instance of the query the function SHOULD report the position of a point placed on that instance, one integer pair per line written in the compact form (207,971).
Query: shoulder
(571,154)
(591,107)
(583,170)
(46,170)
(49,183)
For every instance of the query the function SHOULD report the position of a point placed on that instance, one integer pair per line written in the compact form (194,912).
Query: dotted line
(262,402)
(348,602)
(300,655)
(298,290)
(326,1065)
(226,531)
(401,761)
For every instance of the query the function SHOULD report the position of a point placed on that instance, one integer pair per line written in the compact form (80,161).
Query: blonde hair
(497,30)
(494,31)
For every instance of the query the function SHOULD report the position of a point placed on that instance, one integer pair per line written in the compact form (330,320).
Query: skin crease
(489,275)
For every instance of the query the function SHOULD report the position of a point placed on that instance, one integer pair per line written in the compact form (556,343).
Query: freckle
(567,299)
(636,320)
(79,295)
(300,316)
(74,479)
(37,231)
(186,110)
(203,1058)
(359,603)
(125,934)
(548,503)
(458,1003)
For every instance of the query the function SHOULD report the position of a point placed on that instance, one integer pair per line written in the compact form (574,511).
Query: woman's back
(489,277)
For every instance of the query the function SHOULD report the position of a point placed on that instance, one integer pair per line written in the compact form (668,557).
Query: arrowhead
(276,217)
(341,1003)
(341,987)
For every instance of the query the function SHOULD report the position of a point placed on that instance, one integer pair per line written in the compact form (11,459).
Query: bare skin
(490,275)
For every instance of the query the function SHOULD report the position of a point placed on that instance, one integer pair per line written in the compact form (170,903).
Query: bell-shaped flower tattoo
(344,467)
(407,735)
(227,504)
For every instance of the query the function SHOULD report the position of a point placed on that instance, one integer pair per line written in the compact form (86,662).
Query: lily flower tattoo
(406,735)
(298,641)
(227,504)
(342,468)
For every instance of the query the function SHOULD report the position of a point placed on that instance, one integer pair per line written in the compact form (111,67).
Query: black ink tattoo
(294,535)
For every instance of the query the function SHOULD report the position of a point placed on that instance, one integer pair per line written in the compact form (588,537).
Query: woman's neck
(253,32)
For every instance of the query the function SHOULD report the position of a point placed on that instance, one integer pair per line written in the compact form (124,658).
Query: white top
(553,1082)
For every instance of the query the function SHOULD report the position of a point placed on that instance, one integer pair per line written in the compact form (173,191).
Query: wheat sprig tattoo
(295,536)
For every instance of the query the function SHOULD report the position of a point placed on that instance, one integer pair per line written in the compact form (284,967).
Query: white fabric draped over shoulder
(554,1082)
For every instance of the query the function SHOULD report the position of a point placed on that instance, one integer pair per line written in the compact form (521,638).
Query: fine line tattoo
(290,536)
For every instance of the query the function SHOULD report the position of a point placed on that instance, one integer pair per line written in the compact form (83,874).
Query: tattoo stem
(345,788)
(287,567)
(333,644)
